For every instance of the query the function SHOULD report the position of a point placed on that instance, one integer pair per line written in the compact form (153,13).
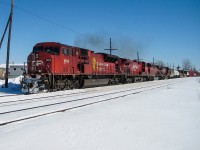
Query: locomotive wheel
(129,81)
(111,82)
(133,80)
(56,87)
(68,85)
(76,84)
(116,82)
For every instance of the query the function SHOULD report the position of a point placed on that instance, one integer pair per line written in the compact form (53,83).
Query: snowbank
(14,86)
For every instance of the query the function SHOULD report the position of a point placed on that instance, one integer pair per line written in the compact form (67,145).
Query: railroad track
(6,102)
(43,97)
(49,98)
(10,95)
(20,95)
(13,116)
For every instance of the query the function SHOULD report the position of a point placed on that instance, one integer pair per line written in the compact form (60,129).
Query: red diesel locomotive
(54,66)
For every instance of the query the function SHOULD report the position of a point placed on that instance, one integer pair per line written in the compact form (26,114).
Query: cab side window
(66,51)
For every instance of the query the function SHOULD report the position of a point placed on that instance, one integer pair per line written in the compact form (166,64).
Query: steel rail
(82,105)
(60,95)
(68,101)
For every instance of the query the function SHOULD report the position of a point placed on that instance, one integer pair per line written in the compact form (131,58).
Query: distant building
(1,73)
(2,70)
(15,70)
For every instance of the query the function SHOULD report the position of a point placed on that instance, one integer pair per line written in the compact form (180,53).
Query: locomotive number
(66,61)
(135,67)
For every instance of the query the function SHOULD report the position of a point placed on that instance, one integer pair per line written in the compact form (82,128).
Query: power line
(9,27)
(62,26)
(44,19)
(49,21)
(4,3)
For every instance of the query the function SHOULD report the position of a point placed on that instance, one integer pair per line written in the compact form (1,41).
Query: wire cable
(124,54)
(44,19)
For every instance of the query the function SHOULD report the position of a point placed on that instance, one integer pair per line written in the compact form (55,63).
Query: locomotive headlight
(36,56)
(48,60)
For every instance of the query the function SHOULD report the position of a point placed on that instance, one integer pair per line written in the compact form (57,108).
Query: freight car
(53,66)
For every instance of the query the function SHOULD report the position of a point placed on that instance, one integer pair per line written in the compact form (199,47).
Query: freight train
(54,66)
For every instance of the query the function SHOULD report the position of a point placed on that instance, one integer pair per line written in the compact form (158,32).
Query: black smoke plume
(95,42)
(127,47)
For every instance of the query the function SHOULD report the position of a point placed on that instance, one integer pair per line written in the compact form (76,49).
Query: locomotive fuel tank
(95,82)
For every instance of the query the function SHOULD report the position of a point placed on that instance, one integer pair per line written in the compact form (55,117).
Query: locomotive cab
(41,58)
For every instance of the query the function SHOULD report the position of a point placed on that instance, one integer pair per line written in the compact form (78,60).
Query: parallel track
(44,97)
(8,95)
(131,92)
(58,103)
(27,100)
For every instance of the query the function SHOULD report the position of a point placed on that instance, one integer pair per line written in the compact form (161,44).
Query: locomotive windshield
(52,50)
(37,49)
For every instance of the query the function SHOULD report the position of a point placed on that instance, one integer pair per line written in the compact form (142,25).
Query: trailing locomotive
(54,66)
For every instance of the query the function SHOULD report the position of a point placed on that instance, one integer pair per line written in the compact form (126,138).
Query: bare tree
(186,64)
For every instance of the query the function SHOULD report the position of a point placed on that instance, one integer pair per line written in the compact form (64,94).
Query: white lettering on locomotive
(103,64)
(66,61)
(134,67)
(37,62)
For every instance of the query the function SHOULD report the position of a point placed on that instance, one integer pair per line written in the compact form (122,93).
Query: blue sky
(168,30)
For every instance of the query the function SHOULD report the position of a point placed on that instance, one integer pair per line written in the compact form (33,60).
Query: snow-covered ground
(161,119)
(13,86)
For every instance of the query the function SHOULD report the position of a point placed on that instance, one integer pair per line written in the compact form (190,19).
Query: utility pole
(178,67)
(8,45)
(110,49)
(5,31)
(138,58)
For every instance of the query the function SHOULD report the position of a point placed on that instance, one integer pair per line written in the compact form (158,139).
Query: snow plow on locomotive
(54,66)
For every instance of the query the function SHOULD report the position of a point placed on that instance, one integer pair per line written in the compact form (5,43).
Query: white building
(15,70)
